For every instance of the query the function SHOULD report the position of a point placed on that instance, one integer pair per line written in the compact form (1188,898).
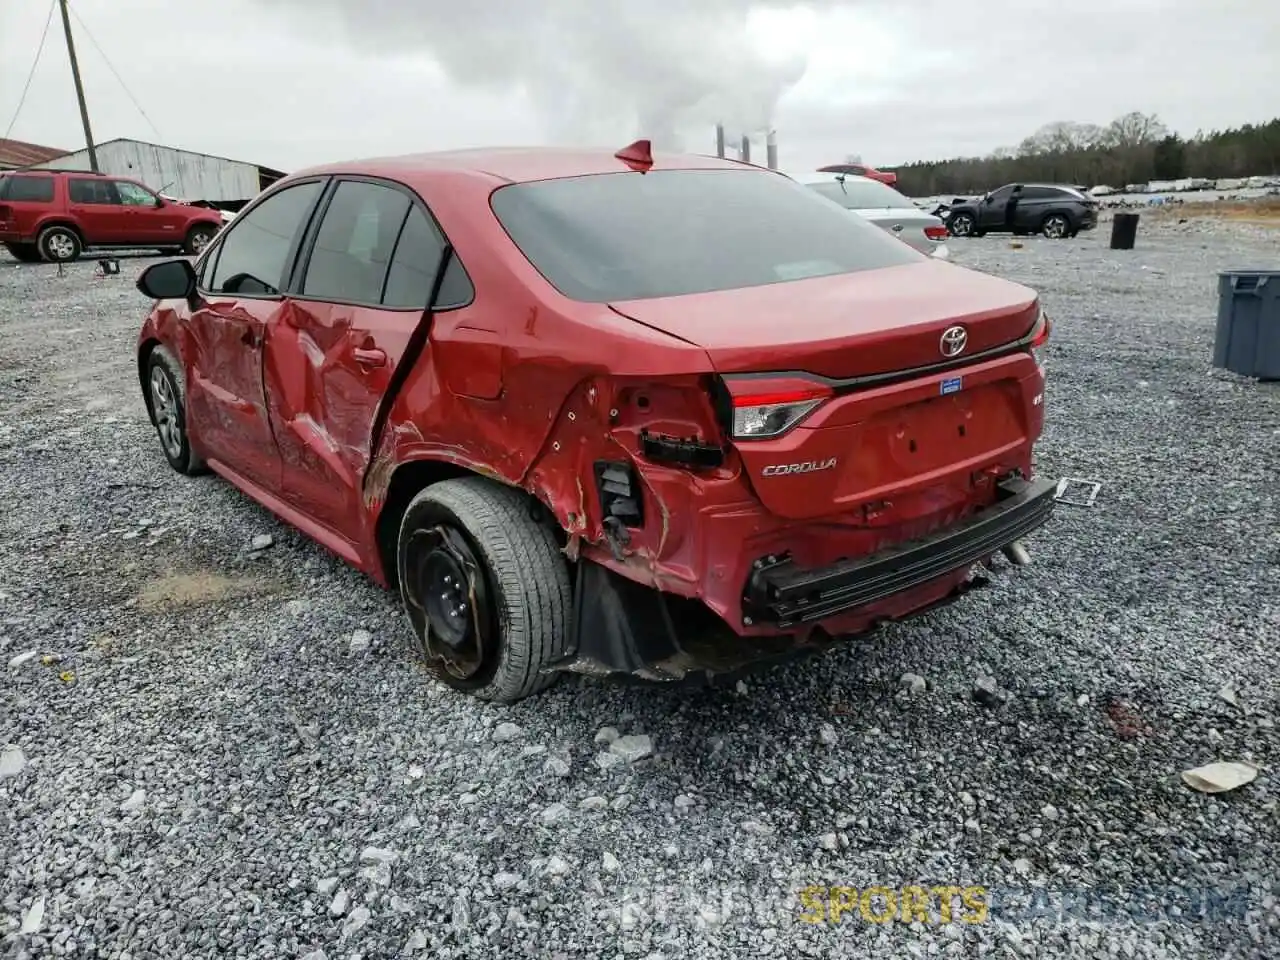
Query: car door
(991,212)
(148,218)
(361,293)
(1032,206)
(240,287)
(95,207)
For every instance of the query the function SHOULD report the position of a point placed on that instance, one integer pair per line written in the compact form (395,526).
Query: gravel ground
(232,756)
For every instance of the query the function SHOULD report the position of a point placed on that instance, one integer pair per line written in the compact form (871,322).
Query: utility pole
(75,74)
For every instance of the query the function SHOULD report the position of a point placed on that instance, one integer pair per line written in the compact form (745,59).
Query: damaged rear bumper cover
(623,627)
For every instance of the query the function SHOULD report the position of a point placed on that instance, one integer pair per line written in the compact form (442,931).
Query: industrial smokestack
(720,140)
(746,149)
(771,150)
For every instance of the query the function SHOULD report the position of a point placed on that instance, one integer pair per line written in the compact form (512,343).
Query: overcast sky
(287,83)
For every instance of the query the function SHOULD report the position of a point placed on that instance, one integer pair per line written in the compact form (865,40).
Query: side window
(133,195)
(254,252)
(354,243)
(95,190)
(28,189)
(1038,193)
(414,265)
(1002,195)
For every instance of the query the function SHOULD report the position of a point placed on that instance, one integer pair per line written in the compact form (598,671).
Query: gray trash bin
(1247,340)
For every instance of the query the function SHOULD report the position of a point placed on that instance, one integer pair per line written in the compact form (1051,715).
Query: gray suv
(1022,208)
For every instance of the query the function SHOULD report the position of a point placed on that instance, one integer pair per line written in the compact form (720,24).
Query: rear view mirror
(169,280)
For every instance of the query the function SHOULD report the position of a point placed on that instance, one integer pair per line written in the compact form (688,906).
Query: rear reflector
(936,233)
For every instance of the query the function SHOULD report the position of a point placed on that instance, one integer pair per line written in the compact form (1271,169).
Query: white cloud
(283,83)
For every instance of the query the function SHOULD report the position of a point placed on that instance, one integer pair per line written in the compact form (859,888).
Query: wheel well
(202,224)
(410,479)
(144,354)
(60,223)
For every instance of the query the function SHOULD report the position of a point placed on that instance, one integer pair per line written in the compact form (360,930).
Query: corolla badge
(953,341)
(808,466)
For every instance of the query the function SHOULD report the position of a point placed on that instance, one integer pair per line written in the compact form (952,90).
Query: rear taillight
(936,233)
(1040,337)
(767,408)
(6,212)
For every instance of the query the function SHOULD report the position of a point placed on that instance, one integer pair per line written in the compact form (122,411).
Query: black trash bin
(1247,340)
(1124,231)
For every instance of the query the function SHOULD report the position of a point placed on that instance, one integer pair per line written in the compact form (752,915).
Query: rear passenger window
(254,252)
(413,269)
(354,243)
(26,189)
(92,191)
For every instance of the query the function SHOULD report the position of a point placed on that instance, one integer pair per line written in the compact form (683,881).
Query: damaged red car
(617,414)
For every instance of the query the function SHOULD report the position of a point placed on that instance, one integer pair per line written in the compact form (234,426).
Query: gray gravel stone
(12,761)
(632,747)
(505,732)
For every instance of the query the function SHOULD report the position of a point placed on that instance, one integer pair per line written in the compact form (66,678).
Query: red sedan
(604,413)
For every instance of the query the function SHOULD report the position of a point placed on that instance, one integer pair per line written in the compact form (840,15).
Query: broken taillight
(936,233)
(766,408)
(1040,337)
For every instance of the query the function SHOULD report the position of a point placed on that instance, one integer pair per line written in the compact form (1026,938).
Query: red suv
(604,413)
(56,214)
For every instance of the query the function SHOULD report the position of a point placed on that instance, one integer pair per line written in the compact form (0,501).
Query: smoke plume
(593,69)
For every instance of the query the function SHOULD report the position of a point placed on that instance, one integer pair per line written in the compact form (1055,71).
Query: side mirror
(168,280)
(159,201)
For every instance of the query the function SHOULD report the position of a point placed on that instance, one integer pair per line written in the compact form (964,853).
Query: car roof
(519,164)
(855,177)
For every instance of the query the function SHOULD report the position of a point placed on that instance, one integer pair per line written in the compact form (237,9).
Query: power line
(107,61)
(31,75)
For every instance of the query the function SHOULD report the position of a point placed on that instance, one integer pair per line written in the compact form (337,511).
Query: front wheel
(1055,226)
(485,587)
(961,225)
(167,399)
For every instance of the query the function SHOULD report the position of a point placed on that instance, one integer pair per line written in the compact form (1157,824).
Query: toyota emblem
(953,341)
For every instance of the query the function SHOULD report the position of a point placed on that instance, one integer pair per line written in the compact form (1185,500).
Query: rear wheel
(198,238)
(167,398)
(24,252)
(1055,226)
(485,587)
(59,244)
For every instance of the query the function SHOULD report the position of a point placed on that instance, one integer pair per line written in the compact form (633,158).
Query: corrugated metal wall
(177,173)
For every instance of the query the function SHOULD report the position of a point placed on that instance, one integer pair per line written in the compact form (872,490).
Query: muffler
(1017,554)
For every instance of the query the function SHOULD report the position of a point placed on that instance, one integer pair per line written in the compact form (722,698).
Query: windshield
(861,194)
(631,236)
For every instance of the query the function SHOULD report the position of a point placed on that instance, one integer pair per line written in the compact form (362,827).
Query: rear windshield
(633,236)
(862,194)
(31,189)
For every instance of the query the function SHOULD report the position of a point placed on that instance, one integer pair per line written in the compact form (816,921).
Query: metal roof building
(173,172)
(16,153)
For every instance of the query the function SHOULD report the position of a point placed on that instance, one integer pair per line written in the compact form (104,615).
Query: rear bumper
(631,629)
(784,595)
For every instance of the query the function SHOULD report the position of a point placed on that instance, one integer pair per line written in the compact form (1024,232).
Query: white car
(888,209)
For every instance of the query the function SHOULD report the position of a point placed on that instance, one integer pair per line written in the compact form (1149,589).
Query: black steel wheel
(485,587)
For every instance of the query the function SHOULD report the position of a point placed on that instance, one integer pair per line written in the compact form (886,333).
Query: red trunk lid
(850,325)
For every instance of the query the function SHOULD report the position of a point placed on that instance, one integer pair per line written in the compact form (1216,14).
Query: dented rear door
(331,357)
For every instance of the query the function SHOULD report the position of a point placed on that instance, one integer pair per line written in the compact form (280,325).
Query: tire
(198,238)
(24,252)
(1056,226)
(961,225)
(485,587)
(167,401)
(60,244)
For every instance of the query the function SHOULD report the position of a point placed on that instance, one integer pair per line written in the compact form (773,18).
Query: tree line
(1134,148)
